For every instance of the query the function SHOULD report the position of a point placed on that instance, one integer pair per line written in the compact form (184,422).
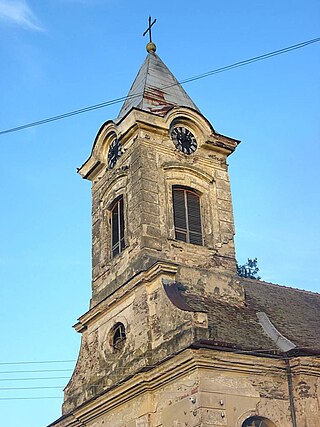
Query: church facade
(173,337)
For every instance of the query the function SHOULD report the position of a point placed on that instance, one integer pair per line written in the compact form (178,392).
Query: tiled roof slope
(294,313)
(155,89)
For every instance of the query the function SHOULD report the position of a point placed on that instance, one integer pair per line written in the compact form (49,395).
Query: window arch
(187,215)
(118,337)
(117,226)
(257,422)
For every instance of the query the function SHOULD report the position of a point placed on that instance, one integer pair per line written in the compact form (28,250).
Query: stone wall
(155,330)
(144,175)
(157,378)
(205,389)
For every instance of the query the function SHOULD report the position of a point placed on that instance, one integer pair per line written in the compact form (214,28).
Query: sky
(61,55)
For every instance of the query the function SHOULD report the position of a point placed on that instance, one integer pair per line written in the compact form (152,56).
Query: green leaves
(249,269)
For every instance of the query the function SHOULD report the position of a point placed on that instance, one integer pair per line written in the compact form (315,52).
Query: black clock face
(114,153)
(184,140)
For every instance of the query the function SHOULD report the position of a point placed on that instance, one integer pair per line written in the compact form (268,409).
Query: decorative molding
(184,363)
(189,169)
(152,273)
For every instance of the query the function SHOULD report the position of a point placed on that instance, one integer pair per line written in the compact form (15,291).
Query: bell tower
(162,229)
(160,190)
(173,337)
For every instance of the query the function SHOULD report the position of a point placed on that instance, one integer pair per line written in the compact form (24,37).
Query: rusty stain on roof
(155,89)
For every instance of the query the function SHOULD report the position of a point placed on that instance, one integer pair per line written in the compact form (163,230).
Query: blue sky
(61,55)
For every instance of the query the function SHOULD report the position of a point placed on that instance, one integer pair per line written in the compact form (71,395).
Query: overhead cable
(34,379)
(30,398)
(187,80)
(39,361)
(36,370)
(31,388)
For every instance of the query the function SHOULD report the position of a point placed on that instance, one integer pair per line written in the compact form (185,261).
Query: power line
(251,60)
(187,80)
(31,388)
(30,398)
(40,361)
(36,370)
(34,379)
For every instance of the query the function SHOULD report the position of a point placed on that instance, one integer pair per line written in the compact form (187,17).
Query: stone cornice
(184,363)
(137,120)
(127,288)
(306,365)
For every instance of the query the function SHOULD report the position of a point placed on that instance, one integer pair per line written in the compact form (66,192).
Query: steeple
(155,89)
(162,222)
(173,337)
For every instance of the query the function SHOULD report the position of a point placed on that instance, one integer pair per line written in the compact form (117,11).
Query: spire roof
(155,89)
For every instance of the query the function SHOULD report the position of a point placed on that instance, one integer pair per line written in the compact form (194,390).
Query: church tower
(160,191)
(170,334)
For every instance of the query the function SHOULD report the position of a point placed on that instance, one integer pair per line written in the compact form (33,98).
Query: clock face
(184,140)
(114,153)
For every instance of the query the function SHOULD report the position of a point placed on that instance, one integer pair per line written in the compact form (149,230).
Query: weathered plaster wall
(145,174)
(156,379)
(306,389)
(155,330)
(206,388)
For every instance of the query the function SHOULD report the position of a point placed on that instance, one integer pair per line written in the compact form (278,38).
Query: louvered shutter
(121,224)
(180,219)
(115,230)
(187,216)
(194,218)
(117,227)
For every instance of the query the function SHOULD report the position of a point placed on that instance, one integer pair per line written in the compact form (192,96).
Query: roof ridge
(147,60)
(247,280)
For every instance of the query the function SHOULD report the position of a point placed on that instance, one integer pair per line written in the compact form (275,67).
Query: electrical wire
(251,60)
(61,387)
(36,370)
(30,398)
(31,388)
(40,361)
(34,379)
(187,80)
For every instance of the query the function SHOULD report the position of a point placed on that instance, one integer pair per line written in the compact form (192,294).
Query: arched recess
(192,120)
(187,215)
(106,133)
(201,183)
(116,188)
(117,327)
(257,421)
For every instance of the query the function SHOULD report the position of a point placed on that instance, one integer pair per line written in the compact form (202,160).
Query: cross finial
(151,47)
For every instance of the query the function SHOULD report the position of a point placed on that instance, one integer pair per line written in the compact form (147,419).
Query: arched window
(187,215)
(257,422)
(117,226)
(118,337)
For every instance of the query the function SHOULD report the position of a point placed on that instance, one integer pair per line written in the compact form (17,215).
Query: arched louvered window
(117,226)
(187,215)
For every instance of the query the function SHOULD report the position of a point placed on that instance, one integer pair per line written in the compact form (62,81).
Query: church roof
(155,89)
(293,316)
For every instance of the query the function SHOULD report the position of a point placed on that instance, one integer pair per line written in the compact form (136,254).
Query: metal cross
(148,30)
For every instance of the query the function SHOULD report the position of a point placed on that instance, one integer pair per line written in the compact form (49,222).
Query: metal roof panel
(155,89)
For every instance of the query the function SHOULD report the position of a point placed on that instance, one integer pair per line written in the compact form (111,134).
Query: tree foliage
(249,269)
